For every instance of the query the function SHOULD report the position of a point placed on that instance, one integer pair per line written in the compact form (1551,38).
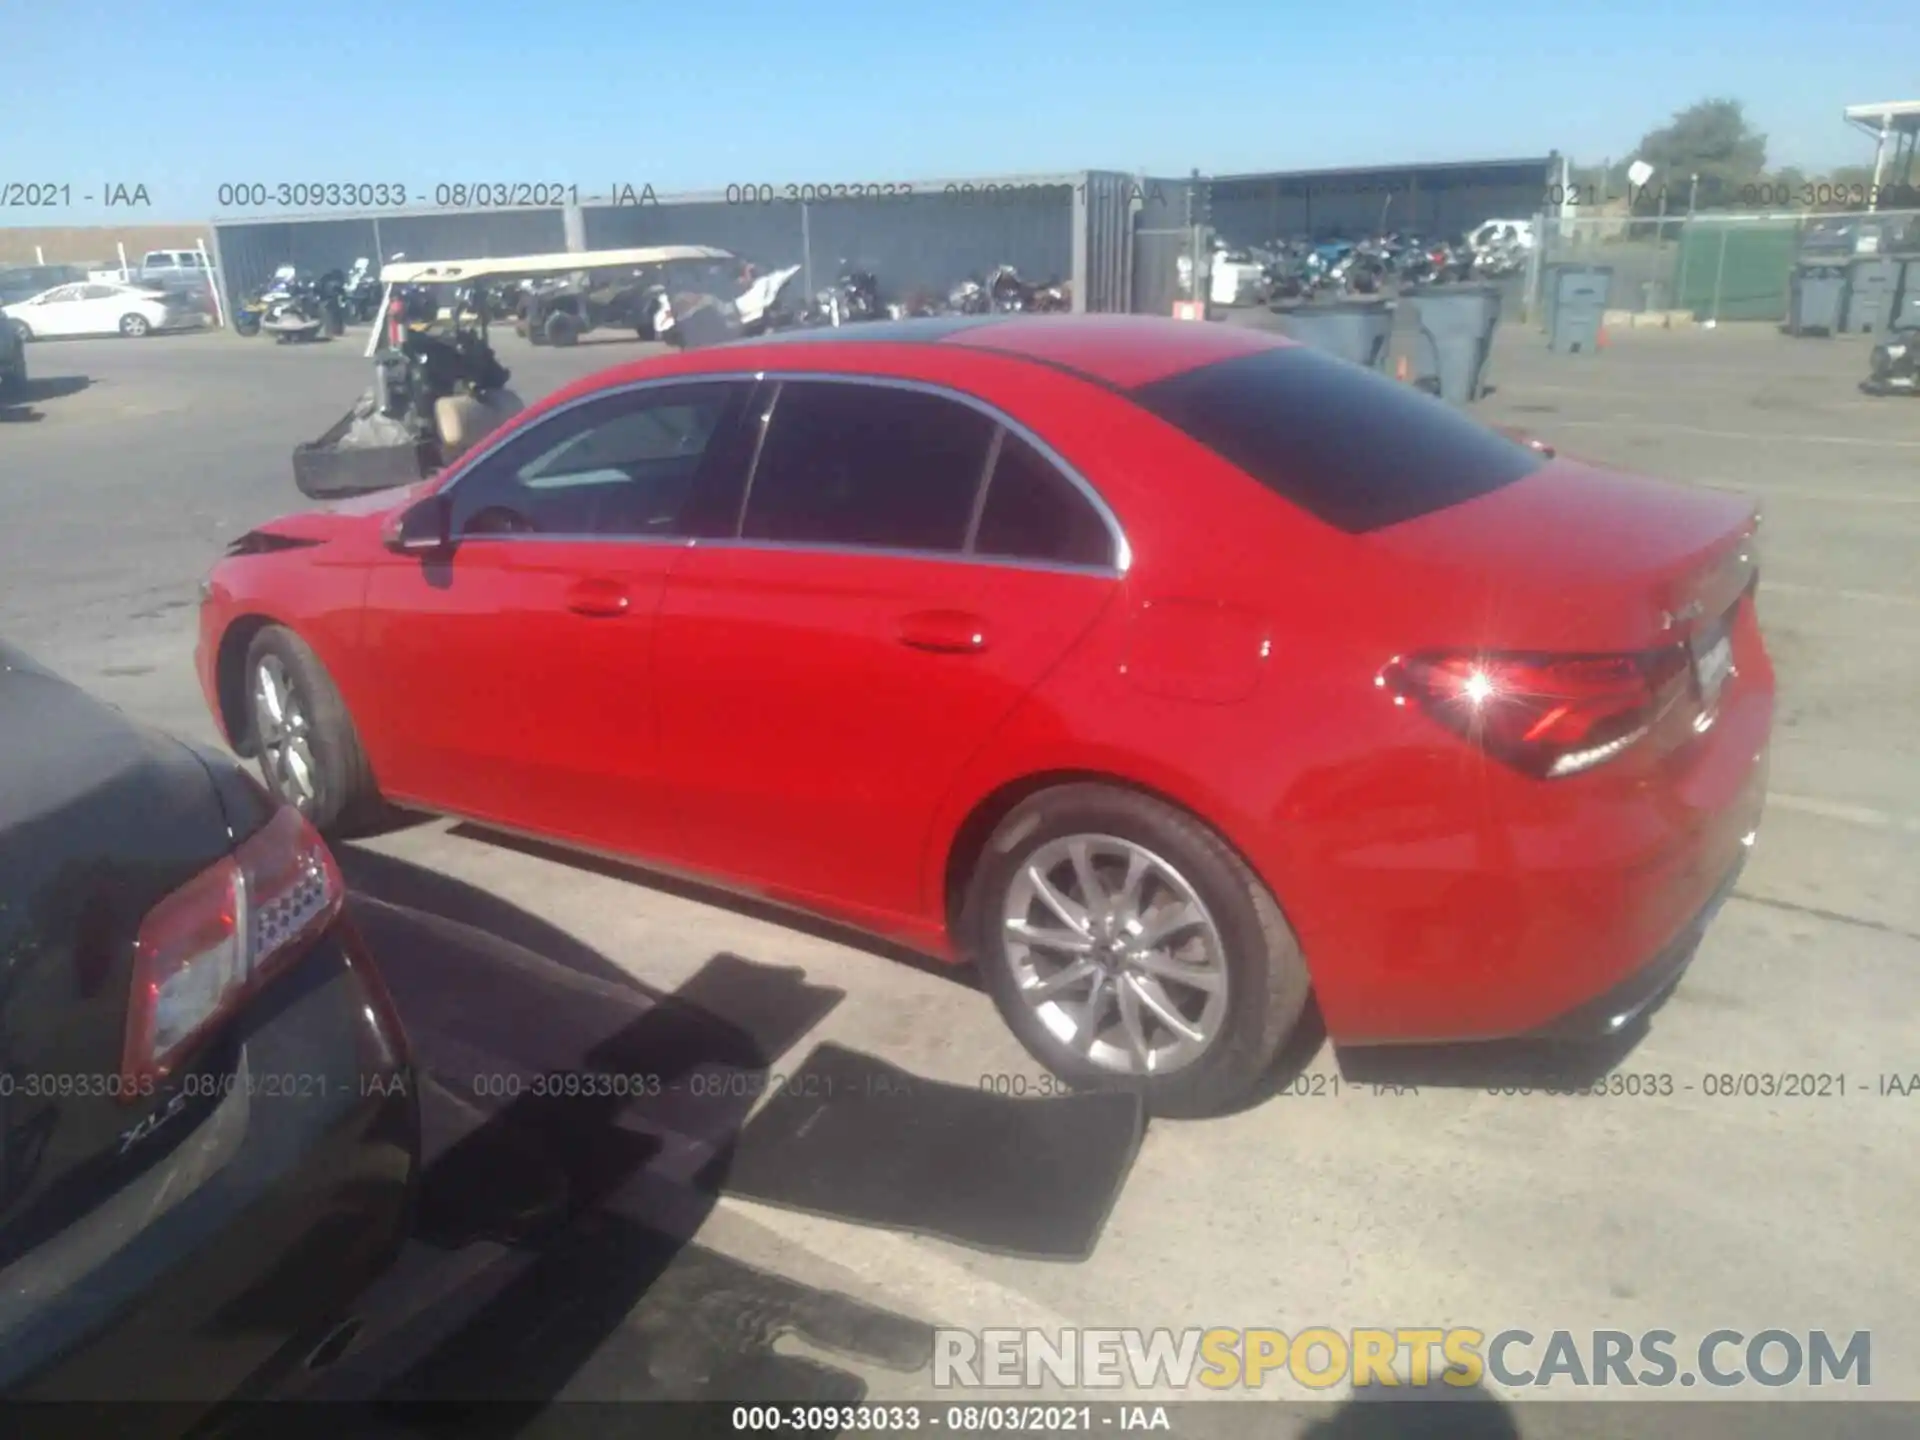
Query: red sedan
(1164,671)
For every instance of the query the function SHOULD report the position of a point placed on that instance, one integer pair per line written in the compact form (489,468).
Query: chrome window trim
(984,484)
(1122,558)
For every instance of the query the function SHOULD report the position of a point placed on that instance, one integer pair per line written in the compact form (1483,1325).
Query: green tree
(1711,139)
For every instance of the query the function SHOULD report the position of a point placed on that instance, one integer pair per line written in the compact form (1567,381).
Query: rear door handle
(947,632)
(598,597)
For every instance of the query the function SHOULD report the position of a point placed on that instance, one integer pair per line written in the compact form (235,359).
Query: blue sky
(182,98)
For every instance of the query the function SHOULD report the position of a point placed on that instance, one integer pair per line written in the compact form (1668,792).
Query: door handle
(598,597)
(947,632)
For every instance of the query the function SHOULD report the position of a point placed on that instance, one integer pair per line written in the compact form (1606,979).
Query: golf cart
(677,294)
(438,387)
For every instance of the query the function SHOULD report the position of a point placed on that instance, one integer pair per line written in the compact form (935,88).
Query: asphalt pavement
(1389,1191)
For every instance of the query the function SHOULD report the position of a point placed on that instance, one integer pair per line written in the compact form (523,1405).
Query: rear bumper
(1613,1012)
(302,1208)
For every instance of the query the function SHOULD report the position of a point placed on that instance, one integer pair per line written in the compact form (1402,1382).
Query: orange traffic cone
(1400,369)
(1600,340)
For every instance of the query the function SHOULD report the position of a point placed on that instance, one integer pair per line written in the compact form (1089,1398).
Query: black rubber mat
(851,1137)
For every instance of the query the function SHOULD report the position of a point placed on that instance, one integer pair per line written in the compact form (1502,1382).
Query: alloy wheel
(285,736)
(1116,954)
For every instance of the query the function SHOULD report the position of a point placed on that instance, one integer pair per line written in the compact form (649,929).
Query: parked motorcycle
(296,310)
(853,296)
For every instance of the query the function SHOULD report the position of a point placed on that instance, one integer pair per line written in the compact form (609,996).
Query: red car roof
(1120,351)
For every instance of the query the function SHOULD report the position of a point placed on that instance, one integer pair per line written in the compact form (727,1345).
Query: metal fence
(1715,266)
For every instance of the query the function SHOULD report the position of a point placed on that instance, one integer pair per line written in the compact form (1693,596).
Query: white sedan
(100,307)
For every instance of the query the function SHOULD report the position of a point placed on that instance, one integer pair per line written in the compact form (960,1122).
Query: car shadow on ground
(722,899)
(552,1251)
(17,407)
(1436,1411)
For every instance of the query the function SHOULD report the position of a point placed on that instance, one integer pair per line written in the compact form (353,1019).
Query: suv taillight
(1546,715)
(210,944)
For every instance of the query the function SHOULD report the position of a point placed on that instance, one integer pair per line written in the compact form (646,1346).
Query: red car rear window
(1348,446)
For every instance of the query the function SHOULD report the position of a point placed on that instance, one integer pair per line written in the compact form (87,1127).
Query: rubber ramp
(854,1138)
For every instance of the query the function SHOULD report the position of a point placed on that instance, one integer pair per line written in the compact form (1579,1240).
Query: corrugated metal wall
(1104,202)
(1117,237)
(1255,211)
(1162,233)
(248,252)
(930,241)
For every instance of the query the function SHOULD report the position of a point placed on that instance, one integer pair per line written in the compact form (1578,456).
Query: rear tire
(1254,956)
(135,327)
(23,330)
(562,329)
(309,755)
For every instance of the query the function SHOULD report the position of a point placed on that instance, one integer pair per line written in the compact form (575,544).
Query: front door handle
(598,597)
(947,632)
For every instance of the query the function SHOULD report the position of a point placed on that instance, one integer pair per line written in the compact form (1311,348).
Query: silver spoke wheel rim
(1116,954)
(285,735)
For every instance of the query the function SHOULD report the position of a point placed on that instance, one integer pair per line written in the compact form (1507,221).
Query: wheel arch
(230,677)
(969,840)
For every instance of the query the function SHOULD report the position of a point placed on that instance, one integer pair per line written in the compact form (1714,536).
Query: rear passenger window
(870,465)
(1033,512)
(1347,445)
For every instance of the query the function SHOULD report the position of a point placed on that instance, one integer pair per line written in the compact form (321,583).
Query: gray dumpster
(1356,331)
(1550,288)
(1906,311)
(1871,283)
(1456,325)
(1816,298)
(1579,306)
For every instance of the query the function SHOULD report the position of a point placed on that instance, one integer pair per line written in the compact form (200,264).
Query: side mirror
(423,528)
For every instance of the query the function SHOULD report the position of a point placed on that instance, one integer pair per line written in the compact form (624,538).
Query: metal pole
(1879,161)
(379,250)
(1686,232)
(1720,271)
(806,248)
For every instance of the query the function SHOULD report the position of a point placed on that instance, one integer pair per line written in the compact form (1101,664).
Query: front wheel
(23,330)
(304,737)
(1129,947)
(135,326)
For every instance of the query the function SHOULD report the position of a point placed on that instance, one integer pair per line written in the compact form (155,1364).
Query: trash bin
(1906,310)
(1816,298)
(1357,331)
(1872,281)
(1579,307)
(1456,325)
(1550,288)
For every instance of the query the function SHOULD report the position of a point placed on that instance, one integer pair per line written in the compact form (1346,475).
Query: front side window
(867,465)
(624,465)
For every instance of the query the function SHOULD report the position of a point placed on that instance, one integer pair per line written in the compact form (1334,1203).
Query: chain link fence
(1716,266)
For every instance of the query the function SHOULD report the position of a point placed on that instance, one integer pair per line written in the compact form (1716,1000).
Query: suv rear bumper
(234,1284)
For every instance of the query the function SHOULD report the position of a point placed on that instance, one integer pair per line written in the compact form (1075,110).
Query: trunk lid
(1574,557)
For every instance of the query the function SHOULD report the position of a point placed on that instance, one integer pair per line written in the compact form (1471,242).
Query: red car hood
(1575,556)
(352,515)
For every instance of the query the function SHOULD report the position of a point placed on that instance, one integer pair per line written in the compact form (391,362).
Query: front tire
(303,736)
(135,327)
(23,330)
(1129,948)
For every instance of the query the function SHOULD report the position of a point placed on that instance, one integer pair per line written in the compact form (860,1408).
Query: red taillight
(1543,714)
(211,943)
